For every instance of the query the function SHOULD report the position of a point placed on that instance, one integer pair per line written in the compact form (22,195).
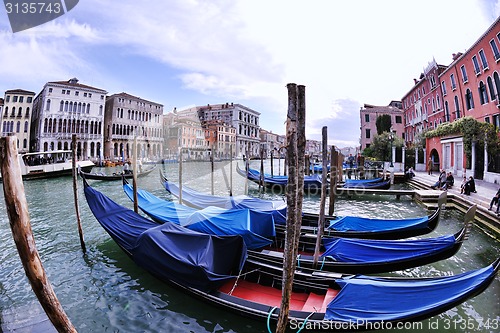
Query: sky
(183,53)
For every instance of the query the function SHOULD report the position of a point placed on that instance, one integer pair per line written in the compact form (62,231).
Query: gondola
(213,268)
(115,176)
(342,255)
(337,226)
(312,184)
(364,181)
(378,185)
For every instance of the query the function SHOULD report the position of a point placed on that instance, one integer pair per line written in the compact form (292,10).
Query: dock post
(75,193)
(134,176)
(334,169)
(17,211)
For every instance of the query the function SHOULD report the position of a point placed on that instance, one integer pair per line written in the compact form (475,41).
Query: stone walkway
(485,190)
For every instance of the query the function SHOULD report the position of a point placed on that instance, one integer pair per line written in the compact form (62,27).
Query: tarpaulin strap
(298,261)
(305,321)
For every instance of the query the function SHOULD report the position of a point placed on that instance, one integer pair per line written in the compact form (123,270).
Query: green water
(103,291)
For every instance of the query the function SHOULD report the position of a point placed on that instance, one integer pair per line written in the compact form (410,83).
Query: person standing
(429,166)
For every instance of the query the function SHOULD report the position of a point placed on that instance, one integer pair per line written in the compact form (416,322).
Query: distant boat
(215,269)
(49,164)
(311,183)
(115,176)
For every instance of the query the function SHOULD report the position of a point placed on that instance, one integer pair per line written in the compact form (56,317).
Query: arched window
(483,95)
(27,115)
(469,101)
(66,108)
(45,123)
(13,112)
(20,112)
(61,106)
(48,105)
(25,143)
(457,107)
(6,111)
(446,111)
(18,127)
(100,110)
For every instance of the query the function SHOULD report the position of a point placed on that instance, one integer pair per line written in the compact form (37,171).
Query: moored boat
(337,226)
(49,164)
(116,176)
(341,255)
(256,292)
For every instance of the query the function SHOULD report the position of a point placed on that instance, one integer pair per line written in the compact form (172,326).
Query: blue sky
(182,53)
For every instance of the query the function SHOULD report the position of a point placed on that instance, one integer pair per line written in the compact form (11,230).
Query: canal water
(103,291)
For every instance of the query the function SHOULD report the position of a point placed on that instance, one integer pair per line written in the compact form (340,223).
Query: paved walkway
(485,190)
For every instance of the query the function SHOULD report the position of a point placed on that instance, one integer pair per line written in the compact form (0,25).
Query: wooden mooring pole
(17,211)
(134,176)
(75,194)
(295,128)
(322,204)
(334,175)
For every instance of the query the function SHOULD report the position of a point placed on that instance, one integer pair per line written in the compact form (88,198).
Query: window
(494,49)
(491,88)
(484,62)
(50,90)
(21,99)
(77,93)
(67,92)
(367,118)
(457,107)
(453,83)
(367,132)
(84,94)
(7,99)
(475,62)
(26,127)
(14,99)
(399,120)
(29,99)
(63,91)
(469,101)
(446,112)
(465,79)
(487,120)
(483,95)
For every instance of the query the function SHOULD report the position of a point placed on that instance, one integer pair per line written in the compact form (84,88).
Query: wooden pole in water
(322,204)
(262,179)
(247,166)
(17,211)
(134,176)
(212,168)
(231,171)
(272,164)
(334,170)
(75,193)
(180,176)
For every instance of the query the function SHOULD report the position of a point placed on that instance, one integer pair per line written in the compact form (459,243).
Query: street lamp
(391,138)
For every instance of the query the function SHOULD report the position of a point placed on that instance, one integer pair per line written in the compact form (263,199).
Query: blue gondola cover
(354,223)
(169,251)
(254,226)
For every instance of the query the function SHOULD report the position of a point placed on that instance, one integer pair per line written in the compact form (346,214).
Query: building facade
(242,118)
(16,116)
(368,118)
(64,108)
(469,86)
(127,119)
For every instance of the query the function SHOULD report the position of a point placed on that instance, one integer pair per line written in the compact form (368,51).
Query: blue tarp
(309,181)
(379,251)
(169,251)
(199,200)
(253,226)
(353,223)
(371,299)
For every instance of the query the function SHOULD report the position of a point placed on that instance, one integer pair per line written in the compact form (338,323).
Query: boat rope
(305,322)
(322,263)
(235,283)
(237,278)
(269,319)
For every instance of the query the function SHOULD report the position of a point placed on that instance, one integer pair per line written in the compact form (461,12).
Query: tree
(383,123)
(380,148)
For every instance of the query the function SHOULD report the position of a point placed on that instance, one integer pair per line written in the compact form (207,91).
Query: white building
(64,108)
(16,116)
